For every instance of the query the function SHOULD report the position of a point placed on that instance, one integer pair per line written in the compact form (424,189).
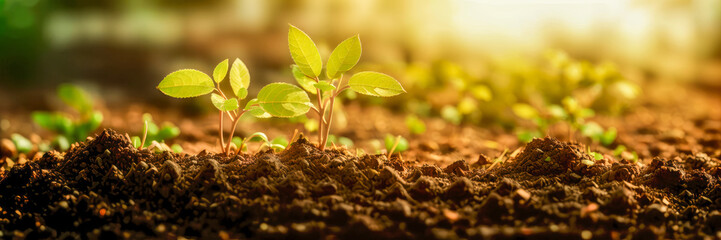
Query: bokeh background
(122,49)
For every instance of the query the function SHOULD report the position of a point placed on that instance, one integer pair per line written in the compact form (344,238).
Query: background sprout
(70,129)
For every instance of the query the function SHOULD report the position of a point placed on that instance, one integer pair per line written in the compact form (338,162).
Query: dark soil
(105,189)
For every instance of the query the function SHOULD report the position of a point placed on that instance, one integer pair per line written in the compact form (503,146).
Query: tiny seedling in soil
(284,100)
(415,125)
(188,83)
(277,144)
(152,133)
(68,129)
(395,144)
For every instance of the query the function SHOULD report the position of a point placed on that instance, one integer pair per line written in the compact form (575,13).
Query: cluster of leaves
(153,135)
(570,112)
(460,94)
(241,144)
(282,99)
(70,127)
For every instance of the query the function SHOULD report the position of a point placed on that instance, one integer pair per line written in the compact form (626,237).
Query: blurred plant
(22,144)
(276,144)
(69,129)
(192,83)
(415,125)
(285,100)
(395,144)
(152,133)
(575,116)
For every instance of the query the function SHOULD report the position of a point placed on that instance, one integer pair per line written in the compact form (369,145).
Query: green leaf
(167,131)
(250,103)
(75,97)
(176,148)
(481,92)
(186,83)
(524,111)
(304,81)
(237,141)
(61,142)
(415,125)
(304,52)
(390,140)
(279,143)
(375,84)
(136,141)
(258,137)
(451,114)
(224,104)
(324,86)
(22,144)
(283,100)
(345,141)
(344,57)
(258,112)
(609,136)
(220,71)
(239,78)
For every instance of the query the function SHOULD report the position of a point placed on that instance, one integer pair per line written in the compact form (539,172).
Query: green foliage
(415,125)
(186,83)
(451,114)
(375,84)
(304,52)
(283,100)
(70,128)
(344,57)
(395,144)
(192,83)
(22,144)
(153,133)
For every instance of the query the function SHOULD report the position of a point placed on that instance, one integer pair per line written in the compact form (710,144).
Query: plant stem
(321,123)
(232,131)
(220,131)
(145,135)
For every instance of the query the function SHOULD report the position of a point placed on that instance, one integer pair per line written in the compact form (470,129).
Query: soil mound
(105,189)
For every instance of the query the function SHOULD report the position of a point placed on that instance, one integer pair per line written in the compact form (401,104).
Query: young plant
(152,133)
(70,129)
(395,144)
(278,143)
(284,100)
(188,83)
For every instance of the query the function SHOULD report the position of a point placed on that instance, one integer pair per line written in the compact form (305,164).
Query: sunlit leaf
(375,84)
(390,140)
(524,111)
(186,83)
(304,81)
(304,52)
(22,144)
(324,86)
(239,78)
(344,57)
(75,97)
(283,100)
(220,71)
(176,148)
(415,125)
(223,104)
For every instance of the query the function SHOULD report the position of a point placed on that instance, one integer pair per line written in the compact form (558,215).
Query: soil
(447,186)
(104,188)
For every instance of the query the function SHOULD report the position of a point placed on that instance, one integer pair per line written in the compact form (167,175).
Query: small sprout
(597,156)
(22,144)
(451,114)
(176,148)
(415,125)
(71,129)
(151,132)
(279,143)
(345,141)
(548,159)
(395,144)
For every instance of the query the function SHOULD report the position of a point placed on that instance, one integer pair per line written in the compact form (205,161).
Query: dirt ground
(446,186)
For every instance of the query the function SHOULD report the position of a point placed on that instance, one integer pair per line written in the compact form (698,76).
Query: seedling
(22,144)
(152,133)
(285,100)
(277,144)
(415,125)
(69,129)
(188,83)
(395,144)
